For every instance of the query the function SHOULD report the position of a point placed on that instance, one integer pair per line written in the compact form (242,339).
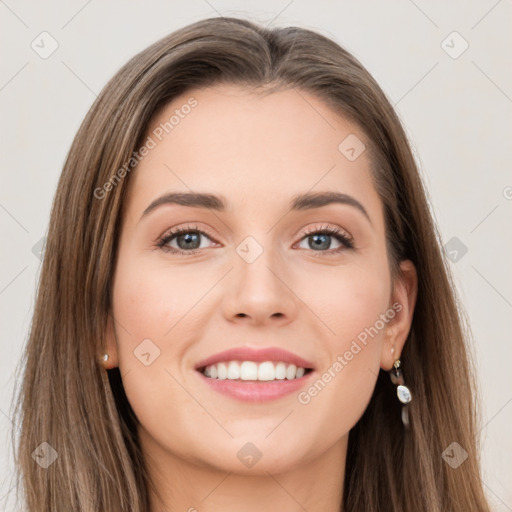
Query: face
(267,268)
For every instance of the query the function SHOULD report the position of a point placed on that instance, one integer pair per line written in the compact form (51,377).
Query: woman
(243,303)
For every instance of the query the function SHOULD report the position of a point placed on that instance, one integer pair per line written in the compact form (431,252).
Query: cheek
(151,330)
(348,299)
(150,302)
(148,310)
(356,309)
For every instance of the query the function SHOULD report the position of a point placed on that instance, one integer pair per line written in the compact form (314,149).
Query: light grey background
(457,112)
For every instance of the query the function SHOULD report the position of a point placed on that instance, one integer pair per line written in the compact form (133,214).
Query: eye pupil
(189,239)
(322,243)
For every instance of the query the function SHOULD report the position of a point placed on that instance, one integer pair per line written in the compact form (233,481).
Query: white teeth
(291,371)
(249,370)
(280,371)
(266,371)
(222,371)
(233,370)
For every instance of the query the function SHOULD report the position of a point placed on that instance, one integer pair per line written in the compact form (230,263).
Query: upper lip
(256,355)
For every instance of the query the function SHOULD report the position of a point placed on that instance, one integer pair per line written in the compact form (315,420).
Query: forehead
(250,148)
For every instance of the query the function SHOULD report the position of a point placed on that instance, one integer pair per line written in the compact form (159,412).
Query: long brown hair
(68,401)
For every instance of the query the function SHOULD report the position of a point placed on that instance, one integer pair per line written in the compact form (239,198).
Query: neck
(184,485)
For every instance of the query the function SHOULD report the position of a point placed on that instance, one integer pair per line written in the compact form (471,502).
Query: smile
(252,371)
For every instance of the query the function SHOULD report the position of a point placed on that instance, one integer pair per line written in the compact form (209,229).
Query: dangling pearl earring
(402,391)
(105,359)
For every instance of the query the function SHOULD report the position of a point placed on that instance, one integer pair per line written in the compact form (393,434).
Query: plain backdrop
(444,65)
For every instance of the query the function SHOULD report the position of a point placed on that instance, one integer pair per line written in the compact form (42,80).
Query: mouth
(255,375)
(252,371)
(259,364)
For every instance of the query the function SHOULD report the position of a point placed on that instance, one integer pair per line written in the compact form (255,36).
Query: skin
(256,152)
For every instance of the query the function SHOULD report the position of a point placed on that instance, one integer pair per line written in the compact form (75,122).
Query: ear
(110,345)
(403,300)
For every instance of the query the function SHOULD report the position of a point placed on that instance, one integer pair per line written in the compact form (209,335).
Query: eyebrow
(307,201)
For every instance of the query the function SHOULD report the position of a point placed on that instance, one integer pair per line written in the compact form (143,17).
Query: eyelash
(334,232)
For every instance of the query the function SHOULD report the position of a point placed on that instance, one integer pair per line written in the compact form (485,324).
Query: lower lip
(256,391)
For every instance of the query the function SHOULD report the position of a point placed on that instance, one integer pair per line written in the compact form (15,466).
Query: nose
(259,293)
